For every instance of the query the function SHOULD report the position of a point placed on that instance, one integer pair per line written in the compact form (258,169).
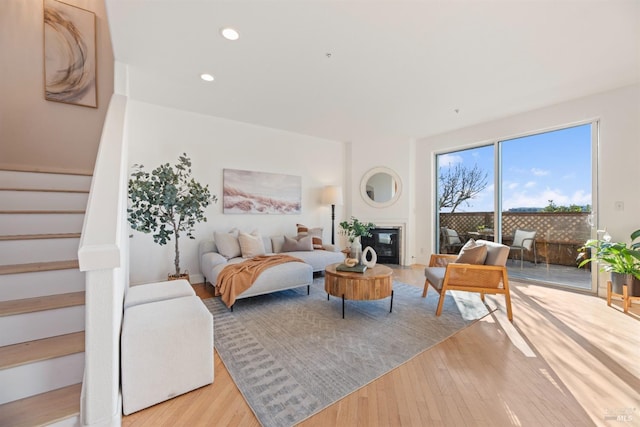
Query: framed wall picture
(69,54)
(260,192)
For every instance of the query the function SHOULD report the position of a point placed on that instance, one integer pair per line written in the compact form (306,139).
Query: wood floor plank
(42,211)
(585,367)
(39,236)
(49,302)
(37,169)
(42,409)
(45,190)
(47,348)
(38,266)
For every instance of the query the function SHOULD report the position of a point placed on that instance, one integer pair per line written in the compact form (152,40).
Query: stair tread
(45,190)
(42,409)
(43,349)
(49,302)
(39,266)
(43,211)
(40,236)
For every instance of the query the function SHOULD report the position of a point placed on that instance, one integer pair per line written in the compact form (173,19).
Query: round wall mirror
(380,187)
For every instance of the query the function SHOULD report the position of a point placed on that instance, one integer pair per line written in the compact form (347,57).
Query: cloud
(448,160)
(539,172)
(581,198)
(483,202)
(541,199)
(512,185)
(530,184)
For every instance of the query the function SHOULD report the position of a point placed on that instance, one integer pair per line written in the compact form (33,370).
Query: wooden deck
(553,274)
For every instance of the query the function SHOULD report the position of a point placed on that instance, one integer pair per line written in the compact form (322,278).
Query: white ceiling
(397,68)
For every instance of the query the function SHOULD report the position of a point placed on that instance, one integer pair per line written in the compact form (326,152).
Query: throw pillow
(472,253)
(301,244)
(251,244)
(276,244)
(227,244)
(314,232)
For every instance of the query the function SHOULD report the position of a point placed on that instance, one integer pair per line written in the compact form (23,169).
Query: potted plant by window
(622,261)
(167,202)
(354,229)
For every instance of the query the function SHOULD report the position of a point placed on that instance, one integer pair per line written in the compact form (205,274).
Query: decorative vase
(374,257)
(356,249)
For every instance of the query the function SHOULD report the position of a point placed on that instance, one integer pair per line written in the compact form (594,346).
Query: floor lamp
(332,195)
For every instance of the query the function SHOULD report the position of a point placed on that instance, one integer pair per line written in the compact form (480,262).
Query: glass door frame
(497,173)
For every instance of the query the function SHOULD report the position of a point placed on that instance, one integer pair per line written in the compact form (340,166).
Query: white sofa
(280,277)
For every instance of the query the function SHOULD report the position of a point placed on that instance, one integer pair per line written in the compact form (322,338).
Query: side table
(374,283)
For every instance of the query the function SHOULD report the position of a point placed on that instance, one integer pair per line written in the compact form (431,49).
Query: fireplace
(386,242)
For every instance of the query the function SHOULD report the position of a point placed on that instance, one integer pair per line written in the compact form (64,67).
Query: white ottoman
(150,292)
(166,350)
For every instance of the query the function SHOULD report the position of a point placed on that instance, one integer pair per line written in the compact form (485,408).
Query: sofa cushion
(301,244)
(280,277)
(472,253)
(159,291)
(251,245)
(276,243)
(319,259)
(227,244)
(314,232)
(435,276)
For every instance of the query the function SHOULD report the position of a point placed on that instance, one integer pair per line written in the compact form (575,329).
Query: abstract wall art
(69,54)
(261,193)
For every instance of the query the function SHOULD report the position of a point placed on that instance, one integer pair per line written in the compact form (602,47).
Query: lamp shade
(332,195)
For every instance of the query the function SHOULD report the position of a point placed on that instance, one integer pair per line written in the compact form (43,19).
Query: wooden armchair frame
(484,279)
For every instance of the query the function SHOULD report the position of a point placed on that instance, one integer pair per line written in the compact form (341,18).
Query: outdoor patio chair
(450,240)
(470,272)
(524,240)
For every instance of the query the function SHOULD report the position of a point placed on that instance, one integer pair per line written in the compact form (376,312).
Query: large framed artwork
(246,192)
(69,54)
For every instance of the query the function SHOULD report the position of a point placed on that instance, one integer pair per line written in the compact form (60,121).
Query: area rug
(292,354)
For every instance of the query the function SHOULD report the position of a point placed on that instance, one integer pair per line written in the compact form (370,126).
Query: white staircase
(41,297)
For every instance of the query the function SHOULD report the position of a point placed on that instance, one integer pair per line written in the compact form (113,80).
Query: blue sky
(550,166)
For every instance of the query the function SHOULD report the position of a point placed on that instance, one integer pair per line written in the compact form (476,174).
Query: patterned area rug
(292,354)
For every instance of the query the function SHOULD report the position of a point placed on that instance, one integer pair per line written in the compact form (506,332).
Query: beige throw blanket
(234,279)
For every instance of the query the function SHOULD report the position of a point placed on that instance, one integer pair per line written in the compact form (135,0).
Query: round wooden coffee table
(374,283)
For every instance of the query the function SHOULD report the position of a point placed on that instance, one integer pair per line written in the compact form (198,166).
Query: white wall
(158,135)
(398,155)
(35,133)
(618,112)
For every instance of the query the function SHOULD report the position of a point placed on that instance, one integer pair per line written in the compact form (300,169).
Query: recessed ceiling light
(206,77)
(230,33)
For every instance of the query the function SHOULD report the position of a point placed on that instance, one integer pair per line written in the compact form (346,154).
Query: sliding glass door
(465,189)
(541,186)
(546,194)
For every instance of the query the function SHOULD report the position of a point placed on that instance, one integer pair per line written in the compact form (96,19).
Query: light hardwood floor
(586,371)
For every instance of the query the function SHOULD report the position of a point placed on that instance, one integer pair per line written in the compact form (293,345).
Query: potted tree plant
(622,261)
(354,229)
(167,202)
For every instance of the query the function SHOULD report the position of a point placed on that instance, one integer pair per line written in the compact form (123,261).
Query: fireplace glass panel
(386,243)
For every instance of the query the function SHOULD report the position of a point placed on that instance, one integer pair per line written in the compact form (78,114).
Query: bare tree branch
(459,184)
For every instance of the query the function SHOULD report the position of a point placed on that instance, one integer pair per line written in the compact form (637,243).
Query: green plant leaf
(167,201)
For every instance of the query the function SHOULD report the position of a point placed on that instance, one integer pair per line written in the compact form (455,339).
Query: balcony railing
(559,235)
